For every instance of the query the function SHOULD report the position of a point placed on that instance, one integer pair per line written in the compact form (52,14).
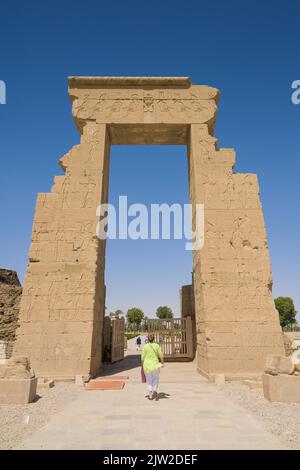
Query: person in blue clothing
(138,343)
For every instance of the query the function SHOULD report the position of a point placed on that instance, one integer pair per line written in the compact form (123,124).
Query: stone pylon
(63,299)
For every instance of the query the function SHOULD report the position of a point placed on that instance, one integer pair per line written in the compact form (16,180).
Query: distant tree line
(137,320)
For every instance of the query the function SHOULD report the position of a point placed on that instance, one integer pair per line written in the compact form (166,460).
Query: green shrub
(287,311)
(131,335)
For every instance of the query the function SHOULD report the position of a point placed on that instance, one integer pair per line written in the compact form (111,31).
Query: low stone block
(276,364)
(282,388)
(219,379)
(252,384)
(82,379)
(17,391)
(45,383)
(17,367)
(79,380)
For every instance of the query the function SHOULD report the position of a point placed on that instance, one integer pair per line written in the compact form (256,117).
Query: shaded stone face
(9,278)
(63,301)
(187,301)
(10,296)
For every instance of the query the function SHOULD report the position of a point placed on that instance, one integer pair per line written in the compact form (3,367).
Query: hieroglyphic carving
(148,103)
(118,111)
(195,92)
(64,296)
(190,110)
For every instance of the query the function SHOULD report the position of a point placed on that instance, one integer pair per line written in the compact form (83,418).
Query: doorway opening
(149,271)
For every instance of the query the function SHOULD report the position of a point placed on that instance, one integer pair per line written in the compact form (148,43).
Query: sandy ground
(281,419)
(17,422)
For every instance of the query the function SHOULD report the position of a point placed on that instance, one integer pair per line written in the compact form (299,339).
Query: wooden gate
(113,339)
(175,337)
(117,334)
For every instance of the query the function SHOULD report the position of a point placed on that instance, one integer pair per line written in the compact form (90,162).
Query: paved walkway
(190,414)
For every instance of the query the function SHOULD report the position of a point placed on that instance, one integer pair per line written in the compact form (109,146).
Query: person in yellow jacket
(152,361)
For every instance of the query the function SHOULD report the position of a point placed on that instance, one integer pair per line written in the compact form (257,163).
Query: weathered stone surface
(282,388)
(294,337)
(253,384)
(219,379)
(10,296)
(295,358)
(62,308)
(17,391)
(17,367)
(276,364)
(167,101)
(128,82)
(45,383)
(9,277)
(187,302)
(287,345)
(82,379)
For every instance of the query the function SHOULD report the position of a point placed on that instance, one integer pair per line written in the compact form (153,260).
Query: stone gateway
(62,307)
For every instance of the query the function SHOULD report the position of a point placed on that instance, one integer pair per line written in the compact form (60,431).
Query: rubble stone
(10,296)
(17,367)
(276,364)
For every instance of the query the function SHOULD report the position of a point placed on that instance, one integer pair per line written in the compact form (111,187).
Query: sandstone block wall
(62,305)
(63,301)
(237,323)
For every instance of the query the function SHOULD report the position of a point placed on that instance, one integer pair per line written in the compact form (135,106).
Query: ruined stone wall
(62,305)
(237,323)
(10,296)
(63,301)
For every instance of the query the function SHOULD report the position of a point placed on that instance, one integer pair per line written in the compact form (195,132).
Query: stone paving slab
(104,385)
(111,377)
(191,414)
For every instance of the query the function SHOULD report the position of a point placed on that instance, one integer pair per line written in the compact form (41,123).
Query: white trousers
(152,379)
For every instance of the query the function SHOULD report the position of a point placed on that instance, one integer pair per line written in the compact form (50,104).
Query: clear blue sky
(247,49)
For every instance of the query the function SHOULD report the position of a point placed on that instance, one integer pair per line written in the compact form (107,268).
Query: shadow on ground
(132,361)
(160,396)
(37,398)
